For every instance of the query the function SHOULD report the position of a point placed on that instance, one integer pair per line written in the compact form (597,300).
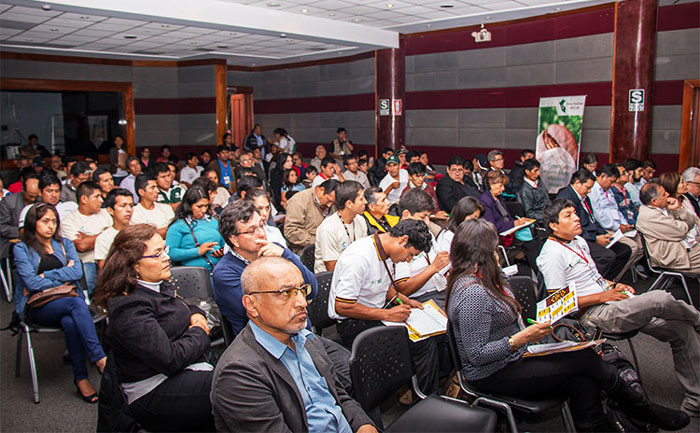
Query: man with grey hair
(321,153)
(275,366)
(691,177)
(496,161)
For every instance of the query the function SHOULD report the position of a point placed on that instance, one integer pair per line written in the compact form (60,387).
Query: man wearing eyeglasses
(451,188)
(276,375)
(691,177)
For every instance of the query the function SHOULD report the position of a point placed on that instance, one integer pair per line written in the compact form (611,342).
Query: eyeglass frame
(165,250)
(253,230)
(306,286)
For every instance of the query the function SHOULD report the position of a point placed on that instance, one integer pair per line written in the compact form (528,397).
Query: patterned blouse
(482,325)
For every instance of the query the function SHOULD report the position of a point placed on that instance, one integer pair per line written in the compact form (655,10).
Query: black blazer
(589,227)
(149,333)
(449,192)
(694,202)
(252,391)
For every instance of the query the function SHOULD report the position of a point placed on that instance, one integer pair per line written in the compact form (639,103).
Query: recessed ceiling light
(557,9)
(222,46)
(54,30)
(488,18)
(331,15)
(389,5)
(29,39)
(84,17)
(165,26)
(305,11)
(130,36)
(273,5)
(428,25)
(447,6)
(232,34)
(283,35)
(193,43)
(46,7)
(356,20)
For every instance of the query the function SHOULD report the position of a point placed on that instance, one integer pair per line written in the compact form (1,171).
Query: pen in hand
(532,322)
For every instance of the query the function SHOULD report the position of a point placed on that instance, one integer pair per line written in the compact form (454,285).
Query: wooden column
(221,103)
(390,84)
(633,68)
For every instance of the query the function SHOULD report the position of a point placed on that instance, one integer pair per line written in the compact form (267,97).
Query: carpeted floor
(62,410)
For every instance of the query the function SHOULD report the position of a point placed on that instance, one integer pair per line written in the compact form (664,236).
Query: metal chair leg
(32,366)
(687,292)
(18,354)
(568,419)
(6,276)
(634,357)
(501,405)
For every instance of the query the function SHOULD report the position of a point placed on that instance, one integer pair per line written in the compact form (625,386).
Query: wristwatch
(511,341)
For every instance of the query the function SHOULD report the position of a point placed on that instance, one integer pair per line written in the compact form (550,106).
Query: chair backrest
(456,362)
(318,309)
(646,254)
(514,208)
(524,290)
(227,330)
(380,364)
(307,256)
(192,282)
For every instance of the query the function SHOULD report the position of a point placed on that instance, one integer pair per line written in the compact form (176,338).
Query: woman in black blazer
(158,341)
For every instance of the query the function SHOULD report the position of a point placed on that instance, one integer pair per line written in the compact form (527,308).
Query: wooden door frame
(248,92)
(685,154)
(126,90)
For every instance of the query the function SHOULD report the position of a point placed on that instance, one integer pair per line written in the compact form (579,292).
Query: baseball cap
(394,159)
(482,160)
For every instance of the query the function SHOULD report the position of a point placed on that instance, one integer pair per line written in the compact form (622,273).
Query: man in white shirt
(191,171)
(340,229)
(613,307)
(134,167)
(149,211)
(329,170)
(395,180)
(423,278)
(362,287)
(84,225)
(320,154)
(609,215)
(120,205)
(353,171)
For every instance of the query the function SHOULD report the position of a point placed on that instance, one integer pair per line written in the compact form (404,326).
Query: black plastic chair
(318,309)
(664,273)
(194,282)
(524,290)
(307,256)
(227,330)
(380,364)
(509,405)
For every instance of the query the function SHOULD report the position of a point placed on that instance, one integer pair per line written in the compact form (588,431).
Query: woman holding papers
(492,341)
(497,213)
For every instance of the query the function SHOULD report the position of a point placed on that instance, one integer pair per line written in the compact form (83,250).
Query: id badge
(227,180)
(602,283)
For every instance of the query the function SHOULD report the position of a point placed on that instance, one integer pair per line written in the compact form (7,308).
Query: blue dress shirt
(605,208)
(323,414)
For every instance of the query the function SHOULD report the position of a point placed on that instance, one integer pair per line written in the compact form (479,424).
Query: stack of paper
(425,323)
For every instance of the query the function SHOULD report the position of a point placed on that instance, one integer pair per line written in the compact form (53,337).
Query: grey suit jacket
(252,391)
(663,235)
(10,209)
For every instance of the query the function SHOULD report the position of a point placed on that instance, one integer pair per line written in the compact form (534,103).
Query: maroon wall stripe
(336,103)
(175,106)
(678,17)
(540,30)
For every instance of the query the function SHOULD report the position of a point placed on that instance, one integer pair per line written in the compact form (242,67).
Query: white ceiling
(245,32)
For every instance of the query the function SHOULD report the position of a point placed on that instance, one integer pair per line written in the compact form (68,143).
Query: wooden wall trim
(221,96)
(126,90)
(11,55)
(355,57)
(685,156)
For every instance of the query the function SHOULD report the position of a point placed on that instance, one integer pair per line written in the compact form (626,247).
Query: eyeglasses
(289,294)
(159,254)
(261,228)
(694,183)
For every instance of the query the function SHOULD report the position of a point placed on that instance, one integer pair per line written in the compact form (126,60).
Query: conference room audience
(222,194)
(45,260)
(590,163)
(133,166)
(252,390)
(118,157)
(353,172)
(193,237)
(492,339)
(158,342)
(451,188)
(329,169)
(306,211)
(533,196)
(363,293)
(340,229)
(622,197)
(50,192)
(416,175)
(677,189)
(191,170)
(670,231)
(120,206)
(149,211)
(649,167)
(466,208)
(691,177)
(83,226)
(224,168)
(636,181)
(376,212)
(261,201)
(290,186)
(614,307)
(79,173)
(168,192)
(11,210)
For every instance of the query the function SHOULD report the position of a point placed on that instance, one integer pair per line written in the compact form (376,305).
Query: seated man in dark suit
(452,187)
(276,375)
(609,261)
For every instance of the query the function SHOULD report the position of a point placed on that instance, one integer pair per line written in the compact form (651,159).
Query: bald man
(252,390)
